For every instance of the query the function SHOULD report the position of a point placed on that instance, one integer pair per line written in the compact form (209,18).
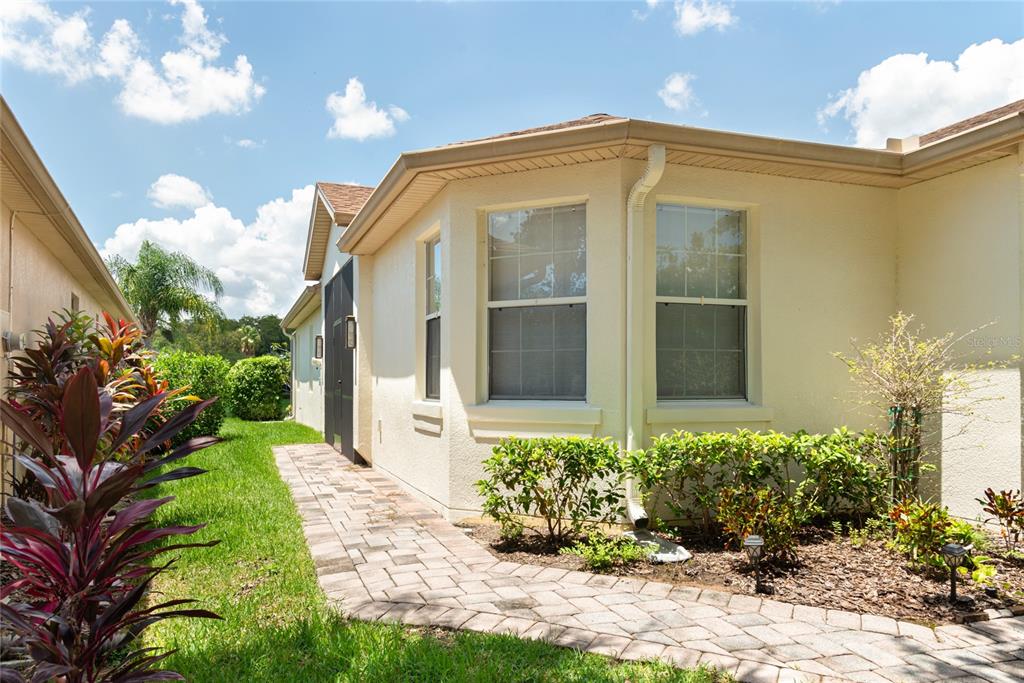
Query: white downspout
(635,307)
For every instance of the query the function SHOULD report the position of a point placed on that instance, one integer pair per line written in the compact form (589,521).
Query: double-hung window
(432,384)
(537,303)
(701,304)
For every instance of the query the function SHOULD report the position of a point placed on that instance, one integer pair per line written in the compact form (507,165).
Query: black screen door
(338,361)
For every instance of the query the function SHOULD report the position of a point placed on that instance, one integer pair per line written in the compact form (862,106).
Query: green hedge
(205,377)
(824,475)
(256,387)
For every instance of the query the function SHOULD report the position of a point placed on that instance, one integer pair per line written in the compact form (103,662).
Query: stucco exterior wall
(41,282)
(406,444)
(823,270)
(307,373)
(959,255)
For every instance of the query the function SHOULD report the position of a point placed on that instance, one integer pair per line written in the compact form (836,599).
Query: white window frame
(428,281)
(748,389)
(485,214)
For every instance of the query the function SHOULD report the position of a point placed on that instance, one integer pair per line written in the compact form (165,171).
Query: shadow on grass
(326,648)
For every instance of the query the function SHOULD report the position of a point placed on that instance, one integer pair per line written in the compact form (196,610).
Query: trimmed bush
(255,388)
(688,471)
(568,482)
(201,376)
(745,510)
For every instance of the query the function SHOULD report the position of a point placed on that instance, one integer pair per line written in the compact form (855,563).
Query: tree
(249,339)
(163,286)
(914,380)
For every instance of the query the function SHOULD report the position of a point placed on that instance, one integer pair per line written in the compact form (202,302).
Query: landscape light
(754,545)
(953,554)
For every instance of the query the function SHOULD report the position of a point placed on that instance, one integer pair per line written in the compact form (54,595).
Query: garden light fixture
(953,554)
(753,545)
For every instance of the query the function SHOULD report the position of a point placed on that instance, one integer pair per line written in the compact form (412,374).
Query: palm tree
(249,339)
(162,286)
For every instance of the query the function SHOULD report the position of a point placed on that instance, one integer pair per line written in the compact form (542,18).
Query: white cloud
(642,15)
(910,94)
(185,85)
(692,17)
(259,262)
(357,119)
(248,143)
(677,93)
(171,191)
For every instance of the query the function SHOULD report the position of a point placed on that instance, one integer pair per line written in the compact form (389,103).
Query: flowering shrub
(568,482)
(83,558)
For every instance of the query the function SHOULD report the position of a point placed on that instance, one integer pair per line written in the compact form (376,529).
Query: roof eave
(987,137)
(302,307)
(59,210)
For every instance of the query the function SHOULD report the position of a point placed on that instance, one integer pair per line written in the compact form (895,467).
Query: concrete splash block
(662,550)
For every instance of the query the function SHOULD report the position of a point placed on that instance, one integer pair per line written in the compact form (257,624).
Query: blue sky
(440,72)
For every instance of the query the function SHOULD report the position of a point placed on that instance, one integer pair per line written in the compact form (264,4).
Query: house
(616,277)
(47,261)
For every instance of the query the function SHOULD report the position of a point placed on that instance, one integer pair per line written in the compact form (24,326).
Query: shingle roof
(973,122)
(589,120)
(345,198)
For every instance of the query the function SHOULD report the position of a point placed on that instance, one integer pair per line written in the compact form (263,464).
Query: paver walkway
(382,555)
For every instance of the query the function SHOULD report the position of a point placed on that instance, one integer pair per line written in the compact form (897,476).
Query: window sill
(708,411)
(532,418)
(427,409)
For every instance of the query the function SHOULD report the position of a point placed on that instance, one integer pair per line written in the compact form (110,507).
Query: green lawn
(276,624)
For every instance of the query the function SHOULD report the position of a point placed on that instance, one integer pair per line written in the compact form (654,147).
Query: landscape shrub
(113,350)
(767,512)
(600,552)
(81,562)
(201,377)
(568,482)
(1007,509)
(919,530)
(688,472)
(255,387)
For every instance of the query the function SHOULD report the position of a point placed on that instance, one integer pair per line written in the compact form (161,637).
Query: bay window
(701,305)
(432,388)
(537,310)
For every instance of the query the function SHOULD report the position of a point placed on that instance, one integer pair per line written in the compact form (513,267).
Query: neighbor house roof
(30,191)
(417,177)
(307,303)
(333,204)
(973,122)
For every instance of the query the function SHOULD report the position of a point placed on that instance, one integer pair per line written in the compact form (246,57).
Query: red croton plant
(85,557)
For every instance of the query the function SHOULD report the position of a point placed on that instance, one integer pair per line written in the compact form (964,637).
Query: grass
(276,625)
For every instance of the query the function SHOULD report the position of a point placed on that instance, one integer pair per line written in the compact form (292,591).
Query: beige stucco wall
(307,372)
(823,270)
(959,255)
(42,284)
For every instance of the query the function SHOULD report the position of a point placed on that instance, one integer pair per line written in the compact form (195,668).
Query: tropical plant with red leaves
(85,558)
(114,352)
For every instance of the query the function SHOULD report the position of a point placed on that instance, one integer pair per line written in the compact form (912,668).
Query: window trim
(427,246)
(483,217)
(753,381)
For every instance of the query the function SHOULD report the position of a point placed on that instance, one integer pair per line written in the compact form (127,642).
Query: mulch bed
(829,572)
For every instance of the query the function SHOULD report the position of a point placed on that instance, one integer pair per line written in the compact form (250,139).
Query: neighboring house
(623,278)
(47,262)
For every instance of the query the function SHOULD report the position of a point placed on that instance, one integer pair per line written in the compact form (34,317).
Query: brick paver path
(382,555)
